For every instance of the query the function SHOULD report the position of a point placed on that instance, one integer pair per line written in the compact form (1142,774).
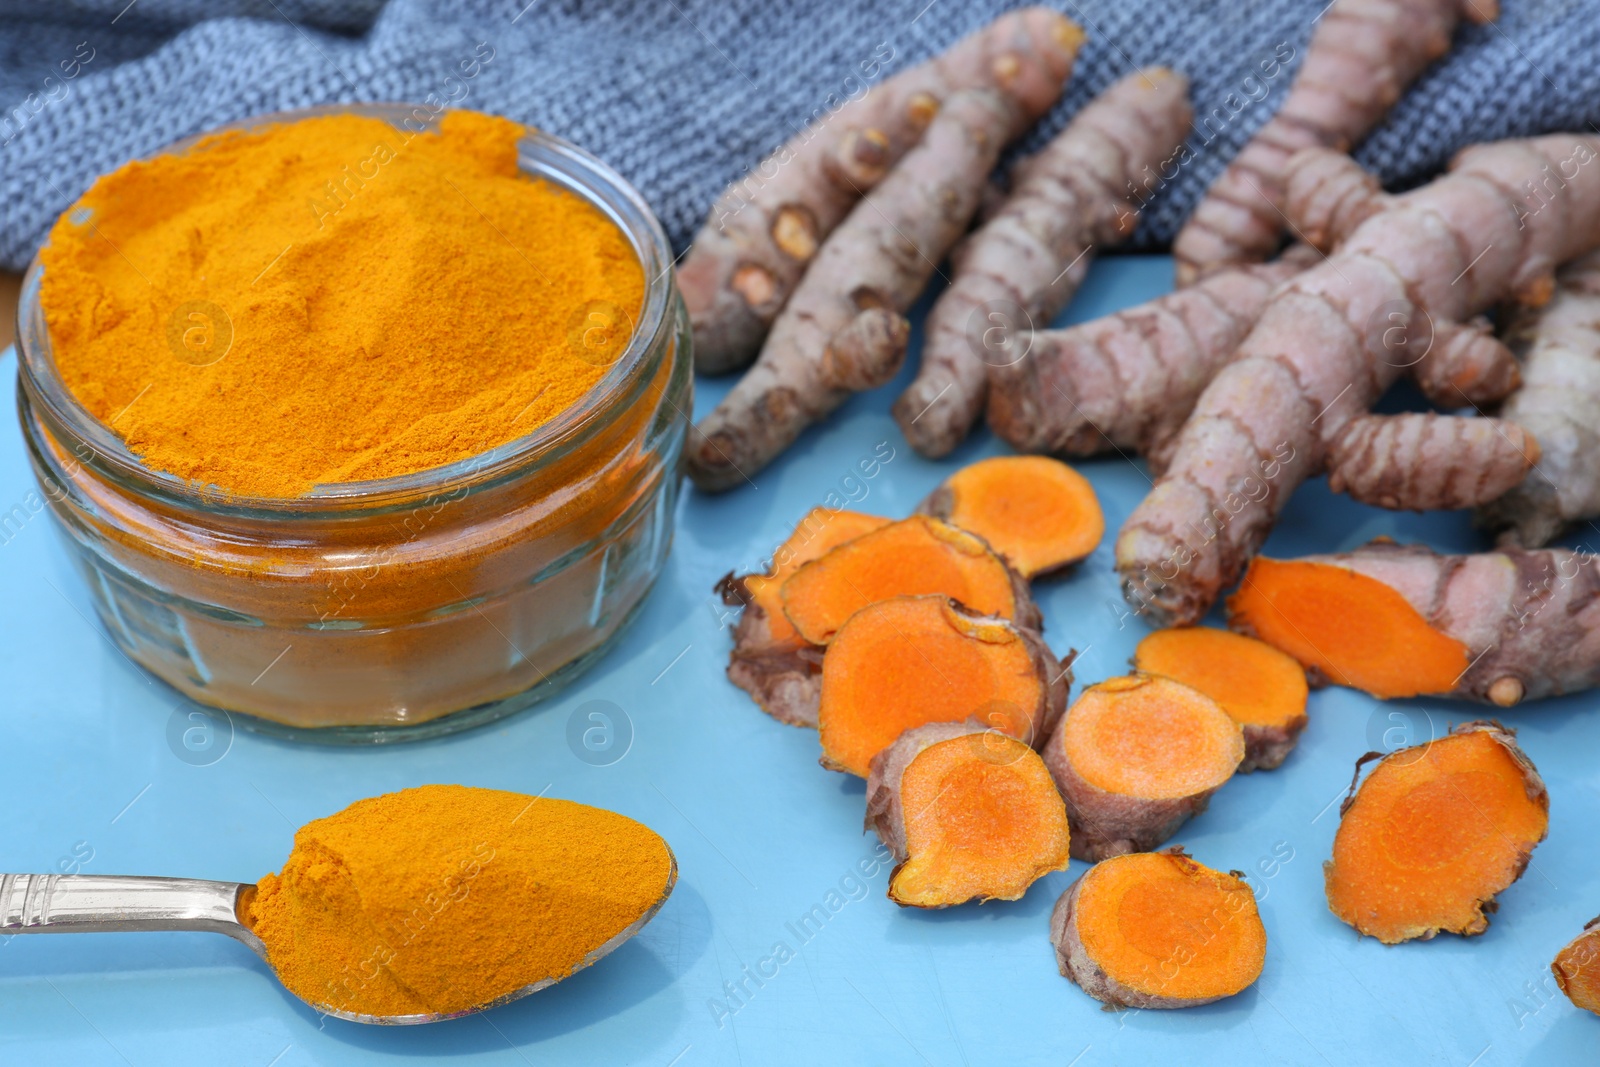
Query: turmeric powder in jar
(364,426)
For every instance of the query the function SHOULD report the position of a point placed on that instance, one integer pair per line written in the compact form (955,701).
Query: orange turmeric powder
(332,300)
(443,898)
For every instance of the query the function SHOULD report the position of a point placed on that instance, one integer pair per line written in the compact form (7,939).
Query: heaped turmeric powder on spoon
(330,300)
(445,898)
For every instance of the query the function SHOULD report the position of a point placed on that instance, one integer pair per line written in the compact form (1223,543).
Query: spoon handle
(95,903)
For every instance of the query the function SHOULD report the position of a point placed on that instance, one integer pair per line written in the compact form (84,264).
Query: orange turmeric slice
(1434,833)
(1263,689)
(1577,968)
(907,661)
(911,557)
(1135,757)
(770,660)
(1158,930)
(969,812)
(821,531)
(1354,629)
(1037,512)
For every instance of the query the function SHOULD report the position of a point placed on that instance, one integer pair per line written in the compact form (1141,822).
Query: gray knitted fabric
(683,95)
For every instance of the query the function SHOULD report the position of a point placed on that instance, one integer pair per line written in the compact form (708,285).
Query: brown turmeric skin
(1074,197)
(332,300)
(1328,196)
(1128,381)
(1268,420)
(844,329)
(1560,404)
(1361,59)
(766,228)
(444,898)
(1394,461)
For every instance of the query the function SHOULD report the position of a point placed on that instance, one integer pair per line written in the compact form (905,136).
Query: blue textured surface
(88,778)
(684,96)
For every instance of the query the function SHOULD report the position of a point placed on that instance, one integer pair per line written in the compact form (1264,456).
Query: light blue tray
(90,780)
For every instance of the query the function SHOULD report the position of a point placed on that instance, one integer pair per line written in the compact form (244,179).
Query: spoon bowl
(84,903)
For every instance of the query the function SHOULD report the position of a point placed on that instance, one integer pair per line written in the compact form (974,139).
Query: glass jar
(403,607)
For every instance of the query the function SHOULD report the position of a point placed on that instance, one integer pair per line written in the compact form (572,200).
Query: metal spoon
(84,903)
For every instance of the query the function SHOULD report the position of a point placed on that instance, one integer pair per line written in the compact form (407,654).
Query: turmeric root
(874,266)
(968,812)
(1263,689)
(1135,757)
(1361,58)
(1127,381)
(1321,354)
(1429,462)
(1071,198)
(1560,403)
(1577,969)
(1466,367)
(1434,833)
(1329,195)
(911,557)
(766,227)
(1038,513)
(1158,930)
(907,661)
(770,660)
(1398,621)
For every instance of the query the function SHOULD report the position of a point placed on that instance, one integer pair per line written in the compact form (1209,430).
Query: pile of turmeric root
(1256,375)
(1305,292)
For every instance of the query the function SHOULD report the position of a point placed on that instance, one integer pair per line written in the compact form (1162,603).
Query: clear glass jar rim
(564,163)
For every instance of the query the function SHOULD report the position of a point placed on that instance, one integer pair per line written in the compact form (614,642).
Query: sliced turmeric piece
(1495,627)
(1037,512)
(911,557)
(1158,930)
(1434,833)
(970,813)
(1352,628)
(770,660)
(1135,757)
(907,661)
(821,531)
(1577,968)
(1263,689)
